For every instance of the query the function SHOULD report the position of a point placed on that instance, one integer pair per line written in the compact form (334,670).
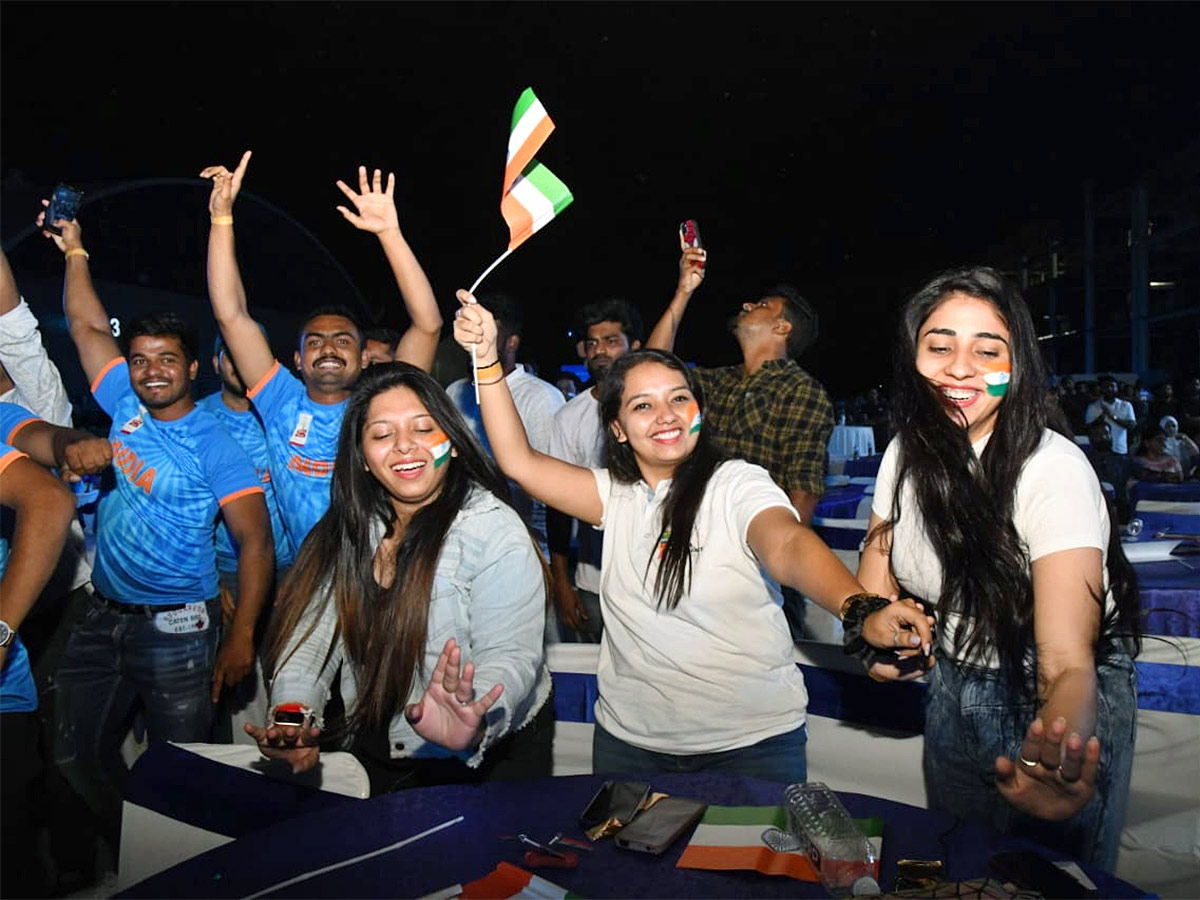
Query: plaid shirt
(779,418)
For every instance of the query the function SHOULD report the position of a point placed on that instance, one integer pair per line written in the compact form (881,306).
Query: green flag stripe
(548,185)
(746,815)
(526,100)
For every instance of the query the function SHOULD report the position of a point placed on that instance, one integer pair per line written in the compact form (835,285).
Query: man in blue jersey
(303,416)
(44,510)
(246,701)
(153,631)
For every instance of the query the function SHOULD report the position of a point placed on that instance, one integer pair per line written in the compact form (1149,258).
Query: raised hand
(374,203)
(691,267)
(71,237)
(294,745)
(226,186)
(475,327)
(448,714)
(1055,773)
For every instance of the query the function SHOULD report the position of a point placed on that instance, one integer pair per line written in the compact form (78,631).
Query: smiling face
(659,418)
(405,449)
(961,347)
(330,357)
(161,375)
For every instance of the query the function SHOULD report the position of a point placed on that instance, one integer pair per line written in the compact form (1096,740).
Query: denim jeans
(969,721)
(781,758)
(111,662)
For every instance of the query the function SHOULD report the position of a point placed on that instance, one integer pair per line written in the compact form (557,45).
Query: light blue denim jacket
(488,594)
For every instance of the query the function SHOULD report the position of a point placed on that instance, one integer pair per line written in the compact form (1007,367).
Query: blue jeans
(112,661)
(781,758)
(969,721)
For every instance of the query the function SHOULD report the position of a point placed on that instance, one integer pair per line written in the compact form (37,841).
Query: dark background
(851,149)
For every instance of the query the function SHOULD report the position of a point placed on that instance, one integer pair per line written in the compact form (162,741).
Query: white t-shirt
(537,401)
(577,436)
(1118,409)
(1059,506)
(717,672)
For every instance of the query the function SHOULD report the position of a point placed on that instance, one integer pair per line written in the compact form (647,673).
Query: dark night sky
(852,149)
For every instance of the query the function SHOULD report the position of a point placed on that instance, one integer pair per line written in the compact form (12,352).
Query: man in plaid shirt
(768,410)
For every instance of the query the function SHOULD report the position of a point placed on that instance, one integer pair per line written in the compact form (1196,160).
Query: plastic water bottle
(840,852)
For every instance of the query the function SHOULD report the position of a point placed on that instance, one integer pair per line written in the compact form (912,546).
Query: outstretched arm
(251,352)
(376,213)
(571,489)
(87,320)
(691,274)
(73,452)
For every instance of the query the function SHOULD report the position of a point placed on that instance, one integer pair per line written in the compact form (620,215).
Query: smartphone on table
(618,800)
(64,204)
(657,828)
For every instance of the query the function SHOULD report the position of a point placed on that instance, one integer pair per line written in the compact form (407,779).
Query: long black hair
(688,483)
(384,628)
(967,502)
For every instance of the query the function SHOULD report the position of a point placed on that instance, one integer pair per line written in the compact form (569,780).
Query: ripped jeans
(112,661)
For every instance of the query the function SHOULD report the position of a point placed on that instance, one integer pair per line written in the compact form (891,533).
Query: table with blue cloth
(1169,593)
(1188,492)
(261,860)
(863,466)
(840,502)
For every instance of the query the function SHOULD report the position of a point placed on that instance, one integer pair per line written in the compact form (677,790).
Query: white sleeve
(747,490)
(30,367)
(558,436)
(603,488)
(885,481)
(538,414)
(1060,505)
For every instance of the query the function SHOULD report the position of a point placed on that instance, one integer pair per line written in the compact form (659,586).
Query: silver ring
(895,639)
(464,702)
(1027,763)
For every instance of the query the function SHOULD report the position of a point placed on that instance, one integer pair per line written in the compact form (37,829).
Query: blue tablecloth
(840,502)
(863,466)
(1170,596)
(1188,492)
(471,848)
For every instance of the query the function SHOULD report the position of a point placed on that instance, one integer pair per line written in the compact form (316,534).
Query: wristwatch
(6,633)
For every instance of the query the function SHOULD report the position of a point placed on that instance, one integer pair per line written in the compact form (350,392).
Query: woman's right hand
(903,626)
(291,743)
(475,327)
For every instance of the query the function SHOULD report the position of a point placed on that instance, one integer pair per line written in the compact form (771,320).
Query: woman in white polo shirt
(985,511)
(696,669)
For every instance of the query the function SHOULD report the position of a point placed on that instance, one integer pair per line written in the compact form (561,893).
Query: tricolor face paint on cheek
(997,380)
(438,446)
(692,414)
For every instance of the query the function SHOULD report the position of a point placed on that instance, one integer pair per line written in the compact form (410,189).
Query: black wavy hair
(967,502)
(164,324)
(688,482)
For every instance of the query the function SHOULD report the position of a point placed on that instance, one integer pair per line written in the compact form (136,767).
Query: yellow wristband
(222,220)
(489,370)
(78,251)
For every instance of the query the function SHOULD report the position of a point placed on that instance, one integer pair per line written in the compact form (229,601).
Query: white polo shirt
(717,672)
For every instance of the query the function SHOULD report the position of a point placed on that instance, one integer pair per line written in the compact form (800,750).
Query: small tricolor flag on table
(532,195)
(507,880)
(730,837)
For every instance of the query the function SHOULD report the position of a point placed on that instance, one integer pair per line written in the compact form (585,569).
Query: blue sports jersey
(302,437)
(17,690)
(154,525)
(247,429)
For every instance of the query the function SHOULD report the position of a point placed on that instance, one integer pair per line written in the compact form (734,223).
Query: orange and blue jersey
(154,524)
(247,429)
(17,690)
(302,437)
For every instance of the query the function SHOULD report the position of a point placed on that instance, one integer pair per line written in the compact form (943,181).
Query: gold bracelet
(78,251)
(222,220)
(489,370)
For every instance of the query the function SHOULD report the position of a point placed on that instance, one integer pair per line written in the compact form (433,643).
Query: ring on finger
(1029,764)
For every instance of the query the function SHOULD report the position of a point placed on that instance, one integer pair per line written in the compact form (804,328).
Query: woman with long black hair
(419,581)
(987,512)
(696,670)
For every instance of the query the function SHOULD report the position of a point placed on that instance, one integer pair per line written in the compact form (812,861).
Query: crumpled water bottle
(1134,528)
(840,852)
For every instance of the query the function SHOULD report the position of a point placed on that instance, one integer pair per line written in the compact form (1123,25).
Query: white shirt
(1118,409)
(37,384)
(577,436)
(717,672)
(1059,506)
(537,401)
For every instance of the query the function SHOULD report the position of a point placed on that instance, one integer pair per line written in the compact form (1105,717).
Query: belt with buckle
(135,609)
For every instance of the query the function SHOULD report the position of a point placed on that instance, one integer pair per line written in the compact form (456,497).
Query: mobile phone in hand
(64,204)
(689,233)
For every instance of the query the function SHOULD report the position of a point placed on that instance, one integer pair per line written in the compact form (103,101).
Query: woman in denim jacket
(984,509)
(419,582)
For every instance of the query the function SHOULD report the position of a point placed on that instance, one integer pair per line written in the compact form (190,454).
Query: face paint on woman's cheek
(692,414)
(438,445)
(997,380)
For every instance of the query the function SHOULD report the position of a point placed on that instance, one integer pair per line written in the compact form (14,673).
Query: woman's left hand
(448,714)
(1054,775)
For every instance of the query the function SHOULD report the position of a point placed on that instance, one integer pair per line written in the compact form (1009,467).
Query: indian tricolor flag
(997,380)
(507,880)
(532,195)
(439,447)
(730,837)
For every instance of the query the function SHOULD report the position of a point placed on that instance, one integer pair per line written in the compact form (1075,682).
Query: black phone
(657,828)
(64,204)
(1034,872)
(690,232)
(618,800)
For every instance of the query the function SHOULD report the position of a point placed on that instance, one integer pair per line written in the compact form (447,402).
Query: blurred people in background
(1179,445)
(1116,412)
